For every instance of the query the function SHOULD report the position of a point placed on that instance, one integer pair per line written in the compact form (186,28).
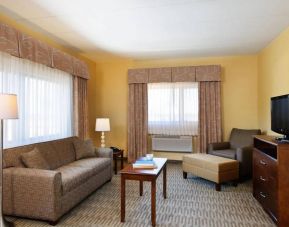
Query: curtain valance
(21,45)
(175,74)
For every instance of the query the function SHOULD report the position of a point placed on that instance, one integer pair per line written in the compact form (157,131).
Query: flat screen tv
(280,115)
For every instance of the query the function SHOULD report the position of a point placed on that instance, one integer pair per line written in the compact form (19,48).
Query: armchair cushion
(219,146)
(242,137)
(226,153)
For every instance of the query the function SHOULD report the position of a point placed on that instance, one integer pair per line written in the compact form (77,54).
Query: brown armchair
(239,147)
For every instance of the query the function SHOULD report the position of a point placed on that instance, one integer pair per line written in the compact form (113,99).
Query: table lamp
(102,125)
(8,110)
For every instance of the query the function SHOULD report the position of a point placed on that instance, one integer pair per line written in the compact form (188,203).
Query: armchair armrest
(245,155)
(218,146)
(104,152)
(33,193)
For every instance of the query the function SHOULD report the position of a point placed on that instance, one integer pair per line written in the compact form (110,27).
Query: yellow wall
(248,83)
(273,76)
(108,94)
(239,93)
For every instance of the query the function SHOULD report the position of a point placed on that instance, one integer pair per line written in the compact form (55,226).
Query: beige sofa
(48,194)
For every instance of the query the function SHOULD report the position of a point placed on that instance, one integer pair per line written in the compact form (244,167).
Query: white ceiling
(155,28)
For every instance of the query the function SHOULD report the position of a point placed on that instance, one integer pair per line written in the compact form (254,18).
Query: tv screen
(280,114)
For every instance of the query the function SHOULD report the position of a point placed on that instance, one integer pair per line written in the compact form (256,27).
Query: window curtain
(80,110)
(137,121)
(173,108)
(45,101)
(210,129)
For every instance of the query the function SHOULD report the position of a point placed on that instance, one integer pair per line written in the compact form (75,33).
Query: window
(173,108)
(44,101)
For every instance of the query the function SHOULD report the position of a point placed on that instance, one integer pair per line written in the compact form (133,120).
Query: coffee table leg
(165,181)
(153,202)
(122,206)
(121,163)
(140,187)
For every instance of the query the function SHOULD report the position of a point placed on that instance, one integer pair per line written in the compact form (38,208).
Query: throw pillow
(34,159)
(84,149)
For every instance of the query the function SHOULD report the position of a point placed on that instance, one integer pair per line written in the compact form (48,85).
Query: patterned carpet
(191,202)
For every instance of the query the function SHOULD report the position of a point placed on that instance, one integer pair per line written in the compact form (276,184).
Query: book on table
(144,164)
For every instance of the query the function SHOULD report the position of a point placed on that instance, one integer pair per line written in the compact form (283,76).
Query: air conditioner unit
(172,143)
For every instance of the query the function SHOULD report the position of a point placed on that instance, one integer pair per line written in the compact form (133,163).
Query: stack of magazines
(144,164)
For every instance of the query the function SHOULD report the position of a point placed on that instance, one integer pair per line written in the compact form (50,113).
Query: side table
(116,155)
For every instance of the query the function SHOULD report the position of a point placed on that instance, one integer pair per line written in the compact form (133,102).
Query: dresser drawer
(265,181)
(264,164)
(267,200)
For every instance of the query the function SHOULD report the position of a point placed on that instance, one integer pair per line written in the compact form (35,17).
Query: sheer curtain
(45,101)
(173,108)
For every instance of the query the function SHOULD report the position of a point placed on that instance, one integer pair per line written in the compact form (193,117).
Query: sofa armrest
(104,152)
(218,146)
(33,193)
(245,156)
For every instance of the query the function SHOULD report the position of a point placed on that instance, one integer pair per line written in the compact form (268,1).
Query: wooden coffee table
(129,173)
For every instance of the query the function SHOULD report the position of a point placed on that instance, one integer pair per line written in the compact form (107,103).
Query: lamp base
(102,139)
(5,223)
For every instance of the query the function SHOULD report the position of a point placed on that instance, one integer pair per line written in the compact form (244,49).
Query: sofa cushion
(65,150)
(50,154)
(226,153)
(73,176)
(84,149)
(12,156)
(76,173)
(95,164)
(34,159)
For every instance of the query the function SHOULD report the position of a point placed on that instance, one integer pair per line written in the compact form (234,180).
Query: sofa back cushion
(84,149)
(65,150)
(56,153)
(12,156)
(34,159)
(242,137)
(50,154)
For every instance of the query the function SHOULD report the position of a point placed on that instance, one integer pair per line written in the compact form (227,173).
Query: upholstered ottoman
(210,167)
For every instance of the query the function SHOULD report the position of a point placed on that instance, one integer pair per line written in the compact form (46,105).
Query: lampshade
(8,106)
(102,125)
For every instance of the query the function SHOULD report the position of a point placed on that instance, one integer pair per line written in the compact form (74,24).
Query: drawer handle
(263,163)
(262,194)
(262,178)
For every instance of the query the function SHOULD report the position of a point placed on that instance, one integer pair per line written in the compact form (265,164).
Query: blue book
(147,162)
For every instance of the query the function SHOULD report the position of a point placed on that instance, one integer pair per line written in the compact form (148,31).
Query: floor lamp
(8,110)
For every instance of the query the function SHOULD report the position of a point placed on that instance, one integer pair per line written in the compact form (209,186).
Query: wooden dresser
(271,177)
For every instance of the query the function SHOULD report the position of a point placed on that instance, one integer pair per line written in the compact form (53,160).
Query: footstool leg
(235,183)
(185,175)
(218,187)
